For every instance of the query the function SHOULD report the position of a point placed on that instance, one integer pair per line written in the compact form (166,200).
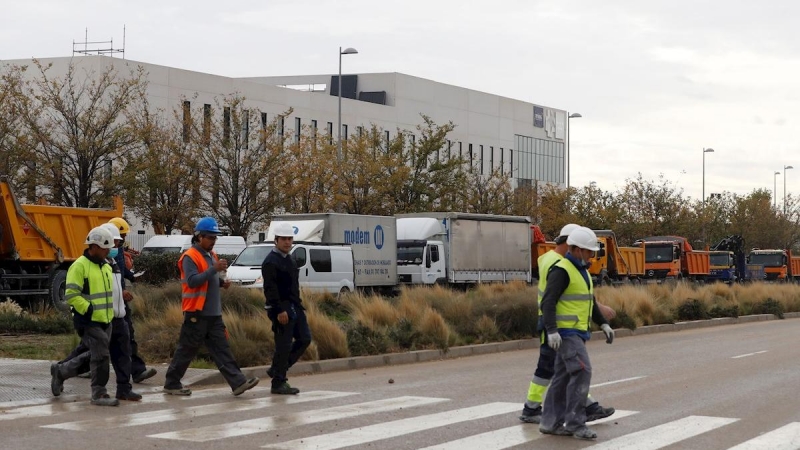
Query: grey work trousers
(97,341)
(196,331)
(565,403)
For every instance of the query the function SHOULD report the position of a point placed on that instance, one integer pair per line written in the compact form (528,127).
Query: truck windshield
(654,254)
(720,259)
(767,259)
(253,256)
(409,255)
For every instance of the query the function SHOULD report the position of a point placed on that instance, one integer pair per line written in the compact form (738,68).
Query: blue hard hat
(207,225)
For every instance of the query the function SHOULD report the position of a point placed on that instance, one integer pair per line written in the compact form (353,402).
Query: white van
(323,268)
(179,243)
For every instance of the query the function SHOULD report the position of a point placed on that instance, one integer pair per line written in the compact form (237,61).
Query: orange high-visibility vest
(193,299)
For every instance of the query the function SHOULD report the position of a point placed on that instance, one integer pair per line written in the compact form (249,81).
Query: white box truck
(372,238)
(462,248)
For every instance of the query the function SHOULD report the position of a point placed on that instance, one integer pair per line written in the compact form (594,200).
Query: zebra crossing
(417,419)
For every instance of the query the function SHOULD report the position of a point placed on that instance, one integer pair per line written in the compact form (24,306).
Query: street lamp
(569,155)
(705,150)
(785,168)
(775,190)
(347,51)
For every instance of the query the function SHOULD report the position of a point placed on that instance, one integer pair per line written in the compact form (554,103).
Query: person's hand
(283,318)
(226,284)
(554,340)
(607,311)
(608,332)
(221,265)
(127,296)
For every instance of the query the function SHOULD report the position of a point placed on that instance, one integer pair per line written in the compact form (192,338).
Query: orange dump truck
(672,257)
(39,242)
(614,263)
(539,246)
(779,265)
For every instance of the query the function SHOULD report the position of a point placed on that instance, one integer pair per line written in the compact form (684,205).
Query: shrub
(487,329)
(363,340)
(161,268)
(693,309)
(623,320)
(769,306)
(405,334)
(26,323)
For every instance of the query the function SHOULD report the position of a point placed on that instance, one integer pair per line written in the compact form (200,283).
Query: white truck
(372,238)
(462,248)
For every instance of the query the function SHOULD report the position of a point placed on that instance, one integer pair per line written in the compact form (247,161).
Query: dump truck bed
(698,262)
(633,264)
(42,233)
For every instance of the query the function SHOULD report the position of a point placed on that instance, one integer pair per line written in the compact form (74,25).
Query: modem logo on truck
(359,236)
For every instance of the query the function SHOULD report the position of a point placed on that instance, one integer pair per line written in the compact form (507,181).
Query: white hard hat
(568,228)
(283,229)
(113,229)
(100,237)
(584,238)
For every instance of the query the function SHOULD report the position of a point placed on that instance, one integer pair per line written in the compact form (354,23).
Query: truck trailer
(462,248)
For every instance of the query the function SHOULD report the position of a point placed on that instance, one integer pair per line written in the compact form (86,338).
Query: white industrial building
(526,139)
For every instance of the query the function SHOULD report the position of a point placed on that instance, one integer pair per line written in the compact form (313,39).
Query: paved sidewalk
(27,381)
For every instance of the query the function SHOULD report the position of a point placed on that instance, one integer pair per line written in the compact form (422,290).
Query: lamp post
(775,190)
(705,150)
(347,51)
(785,168)
(569,154)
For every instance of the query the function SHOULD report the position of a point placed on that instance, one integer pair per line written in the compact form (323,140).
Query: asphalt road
(711,388)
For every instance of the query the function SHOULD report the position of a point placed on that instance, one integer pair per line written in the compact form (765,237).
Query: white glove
(554,340)
(609,332)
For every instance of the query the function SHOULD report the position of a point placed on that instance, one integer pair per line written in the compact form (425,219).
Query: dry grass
(329,339)
(372,311)
(434,330)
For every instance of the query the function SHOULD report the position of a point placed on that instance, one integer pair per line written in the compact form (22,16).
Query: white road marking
(511,436)
(616,381)
(664,435)
(748,354)
(166,415)
(784,438)
(58,407)
(264,424)
(396,428)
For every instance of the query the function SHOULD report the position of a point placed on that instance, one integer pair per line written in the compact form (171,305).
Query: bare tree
(14,151)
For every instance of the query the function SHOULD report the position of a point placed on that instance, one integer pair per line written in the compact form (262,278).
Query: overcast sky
(656,81)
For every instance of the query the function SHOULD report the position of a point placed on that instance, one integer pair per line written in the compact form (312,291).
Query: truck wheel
(342,292)
(57,287)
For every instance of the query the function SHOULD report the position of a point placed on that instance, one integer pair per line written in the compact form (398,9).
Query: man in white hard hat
(90,297)
(532,408)
(567,305)
(284,308)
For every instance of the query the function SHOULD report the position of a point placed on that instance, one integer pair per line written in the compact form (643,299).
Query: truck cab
(723,266)
(420,261)
(775,262)
(662,260)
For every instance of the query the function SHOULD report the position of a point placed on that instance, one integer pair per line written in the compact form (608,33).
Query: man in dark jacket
(284,308)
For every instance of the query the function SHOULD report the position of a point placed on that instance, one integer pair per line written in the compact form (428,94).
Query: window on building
(387,140)
(491,159)
(460,151)
(263,121)
(481,160)
(330,133)
(281,124)
(297,129)
(471,158)
(245,136)
(449,149)
(344,133)
(187,119)
(226,125)
(314,128)
(511,161)
(502,163)
(206,124)
(360,131)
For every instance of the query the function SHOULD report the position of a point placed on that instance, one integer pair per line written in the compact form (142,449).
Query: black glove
(89,311)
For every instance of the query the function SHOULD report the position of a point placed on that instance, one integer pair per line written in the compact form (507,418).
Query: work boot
(585,434)
(557,431)
(182,391)
(105,400)
(531,415)
(597,412)
(149,373)
(130,396)
(249,384)
(56,382)
(284,389)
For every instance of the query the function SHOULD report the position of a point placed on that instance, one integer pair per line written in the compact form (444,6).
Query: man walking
(202,312)
(284,308)
(532,409)
(89,295)
(567,305)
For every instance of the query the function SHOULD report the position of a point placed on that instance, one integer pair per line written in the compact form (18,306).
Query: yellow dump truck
(614,264)
(39,242)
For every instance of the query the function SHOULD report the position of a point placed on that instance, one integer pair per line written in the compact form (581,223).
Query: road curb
(364,362)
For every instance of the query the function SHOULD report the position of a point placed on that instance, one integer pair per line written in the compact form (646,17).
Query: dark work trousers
(547,362)
(566,398)
(137,363)
(120,351)
(291,340)
(196,331)
(97,340)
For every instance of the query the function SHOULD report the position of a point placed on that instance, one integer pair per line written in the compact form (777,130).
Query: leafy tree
(490,194)
(79,136)
(308,171)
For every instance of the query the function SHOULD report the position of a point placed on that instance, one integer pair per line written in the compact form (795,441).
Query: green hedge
(160,268)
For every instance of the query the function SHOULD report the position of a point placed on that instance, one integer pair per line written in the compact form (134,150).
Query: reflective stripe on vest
(545,262)
(83,272)
(574,307)
(193,299)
